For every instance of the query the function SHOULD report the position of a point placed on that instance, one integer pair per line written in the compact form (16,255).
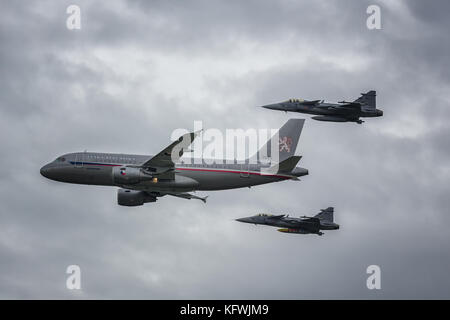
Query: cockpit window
(264,215)
(295,100)
(61,159)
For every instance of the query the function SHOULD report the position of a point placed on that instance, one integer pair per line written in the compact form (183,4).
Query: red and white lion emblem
(285,143)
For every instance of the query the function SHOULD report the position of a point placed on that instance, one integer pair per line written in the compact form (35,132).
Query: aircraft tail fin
(368,99)
(284,142)
(289,164)
(326,214)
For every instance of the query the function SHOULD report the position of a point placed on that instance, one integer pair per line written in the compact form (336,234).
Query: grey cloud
(388,178)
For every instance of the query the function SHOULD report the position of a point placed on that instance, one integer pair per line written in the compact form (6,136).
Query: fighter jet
(143,179)
(343,111)
(303,225)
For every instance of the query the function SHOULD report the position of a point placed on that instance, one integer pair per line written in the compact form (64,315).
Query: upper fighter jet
(304,225)
(144,178)
(343,111)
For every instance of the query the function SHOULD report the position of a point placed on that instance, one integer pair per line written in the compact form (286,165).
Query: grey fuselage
(97,169)
(303,225)
(324,109)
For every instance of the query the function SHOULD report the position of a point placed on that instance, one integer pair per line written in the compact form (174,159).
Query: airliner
(142,178)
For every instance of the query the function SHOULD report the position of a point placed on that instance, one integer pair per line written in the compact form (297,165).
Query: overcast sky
(137,70)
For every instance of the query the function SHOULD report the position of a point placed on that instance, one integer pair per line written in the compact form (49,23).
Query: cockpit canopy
(295,100)
(60,159)
(264,215)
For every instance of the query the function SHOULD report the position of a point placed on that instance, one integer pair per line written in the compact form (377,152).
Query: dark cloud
(139,69)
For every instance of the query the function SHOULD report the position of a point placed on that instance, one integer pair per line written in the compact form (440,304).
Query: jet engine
(133,198)
(129,175)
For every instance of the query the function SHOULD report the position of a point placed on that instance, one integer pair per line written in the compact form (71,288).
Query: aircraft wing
(311,102)
(173,152)
(311,219)
(277,216)
(350,105)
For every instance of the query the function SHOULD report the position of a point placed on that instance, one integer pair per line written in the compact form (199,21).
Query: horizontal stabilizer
(289,164)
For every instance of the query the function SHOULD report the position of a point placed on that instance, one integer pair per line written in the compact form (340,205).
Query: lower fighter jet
(343,111)
(303,225)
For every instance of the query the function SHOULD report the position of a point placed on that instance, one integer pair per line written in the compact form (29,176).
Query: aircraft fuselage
(323,109)
(97,169)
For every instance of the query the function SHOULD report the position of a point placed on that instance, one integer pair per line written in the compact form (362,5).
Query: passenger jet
(143,179)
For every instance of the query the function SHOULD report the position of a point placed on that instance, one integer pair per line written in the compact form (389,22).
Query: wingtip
(196,133)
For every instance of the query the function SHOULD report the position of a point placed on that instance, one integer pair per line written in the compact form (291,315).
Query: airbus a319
(144,178)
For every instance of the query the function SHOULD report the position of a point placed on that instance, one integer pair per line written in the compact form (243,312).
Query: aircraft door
(245,170)
(79,160)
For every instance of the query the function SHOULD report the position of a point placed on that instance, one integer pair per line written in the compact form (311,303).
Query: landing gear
(359,121)
(320,233)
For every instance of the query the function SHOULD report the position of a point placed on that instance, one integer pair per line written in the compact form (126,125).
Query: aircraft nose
(274,106)
(379,113)
(45,171)
(245,220)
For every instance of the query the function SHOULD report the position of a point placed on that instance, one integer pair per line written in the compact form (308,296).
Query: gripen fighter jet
(143,178)
(303,225)
(343,111)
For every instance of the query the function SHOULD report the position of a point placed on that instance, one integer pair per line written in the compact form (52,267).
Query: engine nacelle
(129,175)
(133,198)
